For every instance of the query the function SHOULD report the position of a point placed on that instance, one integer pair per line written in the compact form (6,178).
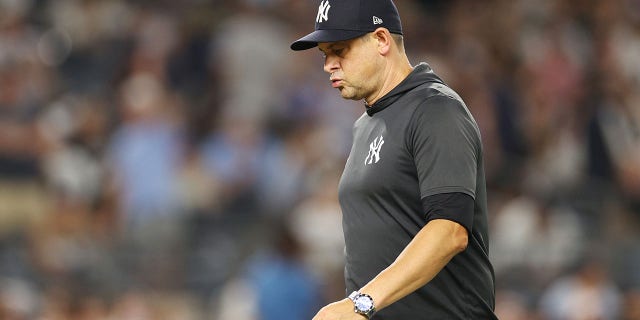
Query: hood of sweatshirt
(421,74)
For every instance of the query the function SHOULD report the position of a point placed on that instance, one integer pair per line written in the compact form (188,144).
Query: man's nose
(331,64)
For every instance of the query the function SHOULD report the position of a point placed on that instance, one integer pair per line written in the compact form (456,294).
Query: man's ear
(384,40)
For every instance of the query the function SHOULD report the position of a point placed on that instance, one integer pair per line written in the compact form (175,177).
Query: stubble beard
(351,93)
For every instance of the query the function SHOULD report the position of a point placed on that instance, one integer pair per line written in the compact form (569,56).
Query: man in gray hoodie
(413,192)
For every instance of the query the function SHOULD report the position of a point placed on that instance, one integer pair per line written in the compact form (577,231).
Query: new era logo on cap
(339,20)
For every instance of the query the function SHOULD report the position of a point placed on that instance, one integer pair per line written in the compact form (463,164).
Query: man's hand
(341,310)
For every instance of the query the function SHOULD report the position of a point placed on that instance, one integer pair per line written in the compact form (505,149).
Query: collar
(421,73)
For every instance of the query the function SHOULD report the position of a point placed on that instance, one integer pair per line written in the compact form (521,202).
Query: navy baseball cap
(339,20)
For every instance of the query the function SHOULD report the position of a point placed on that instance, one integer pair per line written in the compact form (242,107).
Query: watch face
(363,303)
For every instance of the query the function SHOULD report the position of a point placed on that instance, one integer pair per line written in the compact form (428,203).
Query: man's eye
(338,52)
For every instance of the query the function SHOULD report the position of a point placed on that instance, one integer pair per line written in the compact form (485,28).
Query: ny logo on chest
(374,151)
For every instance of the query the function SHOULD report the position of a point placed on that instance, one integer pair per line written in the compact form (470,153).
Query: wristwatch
(363,304)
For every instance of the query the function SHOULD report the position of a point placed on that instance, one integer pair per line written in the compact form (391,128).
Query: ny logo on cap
(323,11)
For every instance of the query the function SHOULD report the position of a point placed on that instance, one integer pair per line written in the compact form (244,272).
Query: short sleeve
(444,141)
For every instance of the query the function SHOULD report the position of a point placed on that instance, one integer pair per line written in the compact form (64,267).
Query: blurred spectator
(541,238)
(253,47)
(587,294)
(144,159)
(317,224)
(145,151)
(276,285)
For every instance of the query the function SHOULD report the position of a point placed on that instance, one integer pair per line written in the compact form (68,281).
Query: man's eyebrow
(331,46)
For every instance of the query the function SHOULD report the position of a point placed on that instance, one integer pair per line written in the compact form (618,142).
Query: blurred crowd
(175,160)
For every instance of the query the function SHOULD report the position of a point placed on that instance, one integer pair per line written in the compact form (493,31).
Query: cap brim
(312,39)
